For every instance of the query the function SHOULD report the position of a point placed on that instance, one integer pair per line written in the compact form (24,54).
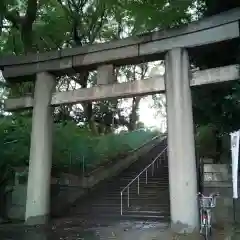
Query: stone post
(39,176)
(181,145)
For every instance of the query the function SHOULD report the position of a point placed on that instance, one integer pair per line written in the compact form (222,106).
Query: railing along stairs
(148,170)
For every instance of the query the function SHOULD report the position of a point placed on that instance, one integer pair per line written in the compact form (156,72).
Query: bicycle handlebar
(212,198)
(217,194)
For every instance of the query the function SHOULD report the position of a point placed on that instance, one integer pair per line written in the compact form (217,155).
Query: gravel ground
(122,230)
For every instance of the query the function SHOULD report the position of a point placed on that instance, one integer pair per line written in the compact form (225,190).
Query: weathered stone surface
(53,65)
(110,55)
(17,202)
(117,90)
(29,58)
(107,45)
(215,75)
(105,75)
(216,172)
(205,23)
(40,160)
(142,87)
(181,148)
(191,40)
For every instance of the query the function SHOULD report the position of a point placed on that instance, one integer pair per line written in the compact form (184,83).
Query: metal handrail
(145,170)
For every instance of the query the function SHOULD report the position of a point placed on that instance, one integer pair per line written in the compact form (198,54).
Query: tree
(130,116)
(217,105)
(57,24)
(21,16)
(223,98)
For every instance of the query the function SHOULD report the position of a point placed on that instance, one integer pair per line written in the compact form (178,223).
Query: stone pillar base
(37,220)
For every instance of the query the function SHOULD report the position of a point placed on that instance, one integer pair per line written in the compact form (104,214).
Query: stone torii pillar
(40,163)
(181,145)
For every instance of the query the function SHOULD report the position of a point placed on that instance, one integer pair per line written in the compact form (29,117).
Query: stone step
(135,185)
(116,204)
(124,183)
(143,179)
(117,211)
(144,187)
(104,202)
(143,196)
(110,205)
(110,218)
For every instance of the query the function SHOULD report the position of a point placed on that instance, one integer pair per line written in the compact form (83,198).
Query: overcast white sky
(147,114)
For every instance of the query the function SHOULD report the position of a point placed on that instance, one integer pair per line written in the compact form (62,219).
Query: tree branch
(11,16)
(6,26)
(31,13)
(65,9)
(96,26)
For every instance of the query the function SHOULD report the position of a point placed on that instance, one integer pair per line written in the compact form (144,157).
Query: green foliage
(80,147)
(66,23)
(71,146)
(217,104)
(14,140)
(59,24)
(206,141)
(149,15)
(207,144)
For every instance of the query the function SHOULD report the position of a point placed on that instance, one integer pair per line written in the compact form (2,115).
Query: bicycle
(207,203)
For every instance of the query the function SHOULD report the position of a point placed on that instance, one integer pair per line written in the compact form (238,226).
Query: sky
(147,115)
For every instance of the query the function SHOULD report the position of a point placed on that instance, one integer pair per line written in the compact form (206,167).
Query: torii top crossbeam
(146,47)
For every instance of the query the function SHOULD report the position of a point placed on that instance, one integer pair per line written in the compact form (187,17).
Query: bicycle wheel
(206,232)
(210,224)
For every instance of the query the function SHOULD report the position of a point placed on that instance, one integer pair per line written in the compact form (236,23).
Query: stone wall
(217,178)
(216,173)
(16,201)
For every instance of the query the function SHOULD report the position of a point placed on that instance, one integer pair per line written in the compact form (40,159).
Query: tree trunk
(3,183)
(134,113)
(218,149)
(218,146)
(88,110)
(3,202)
(26,35)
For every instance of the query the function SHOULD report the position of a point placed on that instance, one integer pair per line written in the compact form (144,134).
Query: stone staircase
(103,203)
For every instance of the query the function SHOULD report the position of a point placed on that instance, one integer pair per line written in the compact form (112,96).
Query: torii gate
(104,57)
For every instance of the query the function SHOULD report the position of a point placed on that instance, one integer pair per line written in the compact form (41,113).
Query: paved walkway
(122,230)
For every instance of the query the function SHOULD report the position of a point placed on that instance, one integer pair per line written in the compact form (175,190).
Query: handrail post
(158,161)
(138,185)
(121,204)
(146,176)
(128,197)
(152,168)
(164,156)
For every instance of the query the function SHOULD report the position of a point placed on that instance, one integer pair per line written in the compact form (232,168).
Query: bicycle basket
(205,202)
